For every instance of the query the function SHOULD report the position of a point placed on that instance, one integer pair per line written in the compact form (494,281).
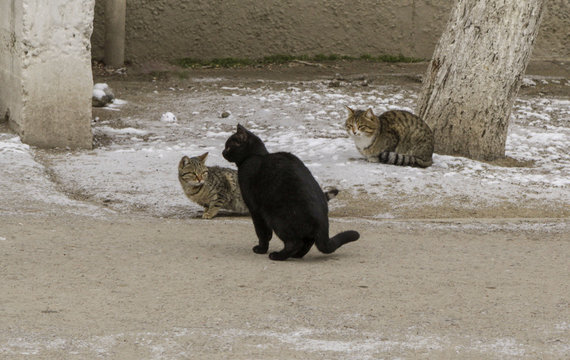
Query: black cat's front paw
(258,249)
(278,256)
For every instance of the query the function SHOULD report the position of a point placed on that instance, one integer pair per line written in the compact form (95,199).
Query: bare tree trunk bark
(475,74)
(115,12)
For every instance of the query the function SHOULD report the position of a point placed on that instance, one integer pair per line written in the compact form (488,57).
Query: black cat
(282,196)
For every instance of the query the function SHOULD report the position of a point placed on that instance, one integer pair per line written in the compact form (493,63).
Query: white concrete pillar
(45,70)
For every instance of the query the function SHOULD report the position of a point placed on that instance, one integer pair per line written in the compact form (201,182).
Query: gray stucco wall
(169,29)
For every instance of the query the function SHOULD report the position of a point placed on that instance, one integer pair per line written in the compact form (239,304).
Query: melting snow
(137,169)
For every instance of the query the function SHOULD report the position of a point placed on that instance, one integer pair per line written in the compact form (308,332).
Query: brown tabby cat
(212,187)
(395,137)
(215,187)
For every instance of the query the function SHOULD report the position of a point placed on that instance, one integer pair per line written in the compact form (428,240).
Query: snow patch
(136,169)
(124,131)
(168,117)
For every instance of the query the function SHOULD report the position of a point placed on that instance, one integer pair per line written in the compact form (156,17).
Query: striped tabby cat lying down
(395,137)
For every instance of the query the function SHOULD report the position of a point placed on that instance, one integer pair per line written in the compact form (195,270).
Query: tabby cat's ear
(369,114)
(203,157)
(184,161)
(350,111)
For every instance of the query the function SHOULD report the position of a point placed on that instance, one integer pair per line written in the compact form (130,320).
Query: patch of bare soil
(510,162)
(356,70)
(428,207)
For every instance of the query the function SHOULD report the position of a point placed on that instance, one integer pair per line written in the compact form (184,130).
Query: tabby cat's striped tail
(389,157)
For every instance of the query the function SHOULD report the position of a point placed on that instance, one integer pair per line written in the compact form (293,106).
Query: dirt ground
(406,74)
(142,288)
(133,286)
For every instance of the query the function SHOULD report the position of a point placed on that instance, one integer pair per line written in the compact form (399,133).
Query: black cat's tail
(327,246)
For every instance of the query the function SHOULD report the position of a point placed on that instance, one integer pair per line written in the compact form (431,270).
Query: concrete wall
(45,70)
(205,29)
(10,62)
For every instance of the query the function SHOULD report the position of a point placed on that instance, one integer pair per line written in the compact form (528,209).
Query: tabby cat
(215,187)
(282,197)
(212,187)
(395,137)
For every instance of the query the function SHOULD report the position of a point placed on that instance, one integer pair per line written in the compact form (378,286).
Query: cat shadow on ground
(314,257)
(221,214)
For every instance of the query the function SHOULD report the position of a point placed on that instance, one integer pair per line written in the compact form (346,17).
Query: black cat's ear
(350,111)
(203,157)
(369,114)
(241,132)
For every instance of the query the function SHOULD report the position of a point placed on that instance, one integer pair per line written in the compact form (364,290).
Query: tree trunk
(115,12)
(475,74)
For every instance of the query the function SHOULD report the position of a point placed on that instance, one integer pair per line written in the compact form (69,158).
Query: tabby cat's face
(193,170)
(361,123)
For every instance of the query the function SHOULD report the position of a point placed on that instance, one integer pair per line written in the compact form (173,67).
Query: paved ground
(142,288)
